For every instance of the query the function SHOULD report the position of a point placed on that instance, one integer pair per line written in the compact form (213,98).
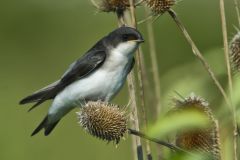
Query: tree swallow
(98,75)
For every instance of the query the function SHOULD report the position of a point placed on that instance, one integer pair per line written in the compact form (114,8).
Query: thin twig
(139,3)
(137,146)
(139,61)
(198,54)
(154,60)
(227,59)
(237,10)
(142,98)
(155,72)
(147,88)
(145,19)
(95,4)
(225,40)
(163,143)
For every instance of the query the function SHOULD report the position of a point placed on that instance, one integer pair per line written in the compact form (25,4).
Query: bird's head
(125,39)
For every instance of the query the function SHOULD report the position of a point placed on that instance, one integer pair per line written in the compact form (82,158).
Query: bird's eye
(129,37)
(125,37)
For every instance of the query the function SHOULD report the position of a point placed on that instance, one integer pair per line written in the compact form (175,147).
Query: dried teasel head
(160,6)
(103,120)
(204,141)
(235,52)
(111,5)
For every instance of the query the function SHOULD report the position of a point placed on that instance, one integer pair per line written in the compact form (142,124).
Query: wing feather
(79,69)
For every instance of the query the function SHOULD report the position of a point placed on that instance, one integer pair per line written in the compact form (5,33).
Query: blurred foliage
(40,38)
(184,121)
(187,157)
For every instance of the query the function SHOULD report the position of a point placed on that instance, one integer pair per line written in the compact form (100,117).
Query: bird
(98,75)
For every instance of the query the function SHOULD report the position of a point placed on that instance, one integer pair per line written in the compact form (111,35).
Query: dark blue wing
(79,69)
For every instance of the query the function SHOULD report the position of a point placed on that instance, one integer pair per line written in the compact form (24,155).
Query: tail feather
(38,95)
(49,128)
(36,104)
(35,97)
(42,95)
(45,125)
(40,126)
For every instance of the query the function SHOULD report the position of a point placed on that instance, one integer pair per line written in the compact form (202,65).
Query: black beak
(140,40)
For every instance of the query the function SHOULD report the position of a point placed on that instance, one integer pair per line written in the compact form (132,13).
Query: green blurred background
(40,38)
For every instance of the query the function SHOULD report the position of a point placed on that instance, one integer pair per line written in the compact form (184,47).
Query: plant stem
(137,146)
(163,143)
(227,59)
(237,10)
(155,70)
(142,96)
(198,54)
(225,40)
(140,77)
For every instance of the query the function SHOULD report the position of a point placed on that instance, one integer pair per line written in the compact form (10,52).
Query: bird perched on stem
(98,75)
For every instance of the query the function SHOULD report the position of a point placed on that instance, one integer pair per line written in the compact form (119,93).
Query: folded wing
(78,70)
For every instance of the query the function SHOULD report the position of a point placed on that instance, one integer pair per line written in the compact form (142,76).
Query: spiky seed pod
(205,141)
(160,6)
(103,120)
(235,52)
(111,5)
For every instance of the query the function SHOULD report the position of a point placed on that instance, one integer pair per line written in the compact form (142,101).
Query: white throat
(126,48)
(120,56)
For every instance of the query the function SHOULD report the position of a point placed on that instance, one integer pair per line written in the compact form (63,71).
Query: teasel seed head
(103,120)
(111,5)
(160,6)
(205,141)
(234,48)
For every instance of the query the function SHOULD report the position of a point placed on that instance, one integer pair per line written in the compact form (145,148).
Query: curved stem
(198,54)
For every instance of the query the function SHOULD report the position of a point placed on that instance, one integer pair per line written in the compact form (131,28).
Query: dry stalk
(198,54)
(237,10)
(142,96)
(227,59)
(225,40)
(153,56)
(148,90)
(139,61)
(134,114)
(155,70)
